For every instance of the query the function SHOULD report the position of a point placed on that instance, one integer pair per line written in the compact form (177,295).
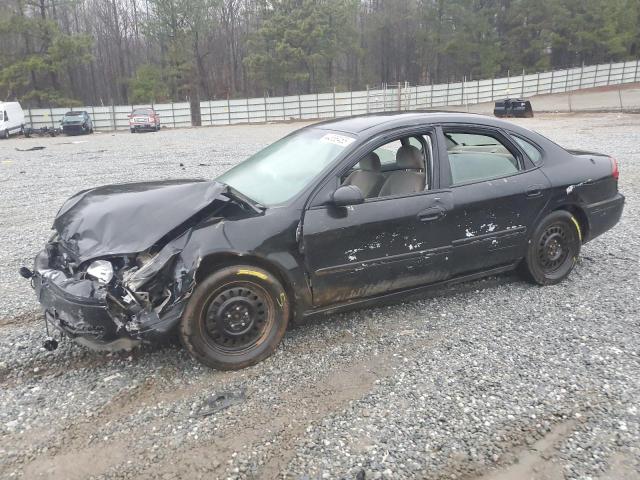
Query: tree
(48,54)
(147,86)
(300,43)
(56,52)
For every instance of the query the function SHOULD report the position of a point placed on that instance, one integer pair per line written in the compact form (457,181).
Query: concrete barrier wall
(388,98)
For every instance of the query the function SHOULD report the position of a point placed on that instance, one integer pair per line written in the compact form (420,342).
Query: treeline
(68,52)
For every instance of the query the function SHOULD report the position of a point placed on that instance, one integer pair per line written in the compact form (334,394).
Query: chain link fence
(341,104)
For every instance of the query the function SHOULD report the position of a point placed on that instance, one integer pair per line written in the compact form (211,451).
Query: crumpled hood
(130,218)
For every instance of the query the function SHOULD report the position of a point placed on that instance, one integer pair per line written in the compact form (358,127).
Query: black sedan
(76,122)
(336,215)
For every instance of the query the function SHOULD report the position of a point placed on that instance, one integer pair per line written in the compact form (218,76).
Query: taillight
(615,171)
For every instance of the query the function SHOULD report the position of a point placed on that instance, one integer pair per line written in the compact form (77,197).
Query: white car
(11,119)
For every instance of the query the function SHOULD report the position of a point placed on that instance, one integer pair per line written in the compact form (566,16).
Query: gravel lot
(495,379)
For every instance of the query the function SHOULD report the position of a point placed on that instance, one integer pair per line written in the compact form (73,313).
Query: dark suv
(76,122)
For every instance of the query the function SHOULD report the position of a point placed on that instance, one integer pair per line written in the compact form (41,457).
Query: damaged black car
(337,215)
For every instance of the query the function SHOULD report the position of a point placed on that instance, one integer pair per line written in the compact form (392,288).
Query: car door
(497,195)
(384,244)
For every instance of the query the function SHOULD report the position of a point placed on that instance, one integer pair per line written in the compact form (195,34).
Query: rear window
(532,152)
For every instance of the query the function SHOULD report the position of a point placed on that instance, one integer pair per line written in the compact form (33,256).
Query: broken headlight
(100,270)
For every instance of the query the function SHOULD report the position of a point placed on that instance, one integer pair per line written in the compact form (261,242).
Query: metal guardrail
(341,104)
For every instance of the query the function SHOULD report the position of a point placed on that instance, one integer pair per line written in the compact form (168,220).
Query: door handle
(430,214)
(534,191)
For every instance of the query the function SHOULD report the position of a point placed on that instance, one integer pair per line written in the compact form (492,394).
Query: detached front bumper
(79,309)
(84,310)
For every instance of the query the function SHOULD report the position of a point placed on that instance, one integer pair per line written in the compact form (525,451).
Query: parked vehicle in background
(76,122)
(144,119)
(513,107)
(11,119)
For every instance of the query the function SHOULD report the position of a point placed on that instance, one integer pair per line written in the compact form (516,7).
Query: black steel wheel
(553,249)
(236,317)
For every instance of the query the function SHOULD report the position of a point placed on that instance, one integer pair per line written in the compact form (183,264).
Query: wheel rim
(553,248)
(237,317)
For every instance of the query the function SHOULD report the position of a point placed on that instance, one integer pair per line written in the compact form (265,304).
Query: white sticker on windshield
(340,140)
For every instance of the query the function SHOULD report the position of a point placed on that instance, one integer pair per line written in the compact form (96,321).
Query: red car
(144,119)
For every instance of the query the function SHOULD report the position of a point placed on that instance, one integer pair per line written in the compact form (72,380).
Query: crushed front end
(123,260)
(114,302)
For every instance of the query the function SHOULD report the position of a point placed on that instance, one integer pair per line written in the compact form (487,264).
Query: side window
(532,152)
(475,157)
(396,168)
(387,152)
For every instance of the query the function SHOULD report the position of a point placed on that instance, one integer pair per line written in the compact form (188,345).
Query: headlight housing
(101,270)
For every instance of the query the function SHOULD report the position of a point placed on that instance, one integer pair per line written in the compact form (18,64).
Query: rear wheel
(133,130)
(5,135)
(235,318)
(553,249)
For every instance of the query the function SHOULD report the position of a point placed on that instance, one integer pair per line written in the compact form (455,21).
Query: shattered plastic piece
(30,149)
(50,344)
(221,401)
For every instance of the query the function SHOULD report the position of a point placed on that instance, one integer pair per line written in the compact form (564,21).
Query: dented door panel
(491,221)
(383,245)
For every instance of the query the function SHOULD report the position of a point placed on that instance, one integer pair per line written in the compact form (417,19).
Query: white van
(11,119)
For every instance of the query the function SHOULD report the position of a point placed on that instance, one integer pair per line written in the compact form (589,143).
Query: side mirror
(347,195)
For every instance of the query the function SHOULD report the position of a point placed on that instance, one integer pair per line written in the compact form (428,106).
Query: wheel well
(214,262)
(580,216)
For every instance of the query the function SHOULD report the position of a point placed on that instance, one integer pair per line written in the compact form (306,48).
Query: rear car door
(497,194)
(386,243)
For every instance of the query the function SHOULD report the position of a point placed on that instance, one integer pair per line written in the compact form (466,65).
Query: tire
(5,135)
(553,249)
(235,318)
(133,130)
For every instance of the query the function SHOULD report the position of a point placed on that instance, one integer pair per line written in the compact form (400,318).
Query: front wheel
(235,318)
(6,134)
(553,249)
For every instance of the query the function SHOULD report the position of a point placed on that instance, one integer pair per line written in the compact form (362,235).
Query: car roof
(377,122)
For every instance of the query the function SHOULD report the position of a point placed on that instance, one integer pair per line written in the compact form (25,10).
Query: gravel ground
(494,379)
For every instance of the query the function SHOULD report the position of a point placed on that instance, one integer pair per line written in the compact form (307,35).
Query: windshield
(74,114)
(283,169)
(142,112)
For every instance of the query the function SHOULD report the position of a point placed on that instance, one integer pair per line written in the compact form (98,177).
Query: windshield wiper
(236,195)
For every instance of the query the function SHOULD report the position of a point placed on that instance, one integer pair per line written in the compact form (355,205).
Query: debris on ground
(221,401)
(32,149)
